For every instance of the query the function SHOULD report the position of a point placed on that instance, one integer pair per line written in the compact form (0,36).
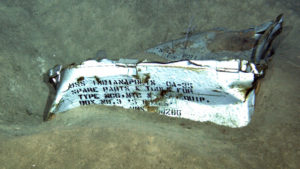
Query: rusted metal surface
(212,77)
(216,91)
(252,44)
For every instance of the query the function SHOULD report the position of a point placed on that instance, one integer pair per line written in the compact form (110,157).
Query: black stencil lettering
(112,95)
(184,90)
(194,98)
(88,96)
(105,101)
(86,102)
(170,84)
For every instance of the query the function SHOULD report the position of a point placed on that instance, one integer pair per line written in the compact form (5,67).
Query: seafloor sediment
(36,35)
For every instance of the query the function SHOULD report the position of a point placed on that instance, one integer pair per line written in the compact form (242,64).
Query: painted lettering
(154,89)
(116,89)
(86,102)
(77,84)
(170,84)
(85,90)
(171,112)
(133,95)
(105,101)
(88,96)
(184,90)
(194,98)
(112,95)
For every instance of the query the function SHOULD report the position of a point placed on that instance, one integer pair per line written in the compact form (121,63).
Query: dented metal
(217,91)
(212,77)
(253,44)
